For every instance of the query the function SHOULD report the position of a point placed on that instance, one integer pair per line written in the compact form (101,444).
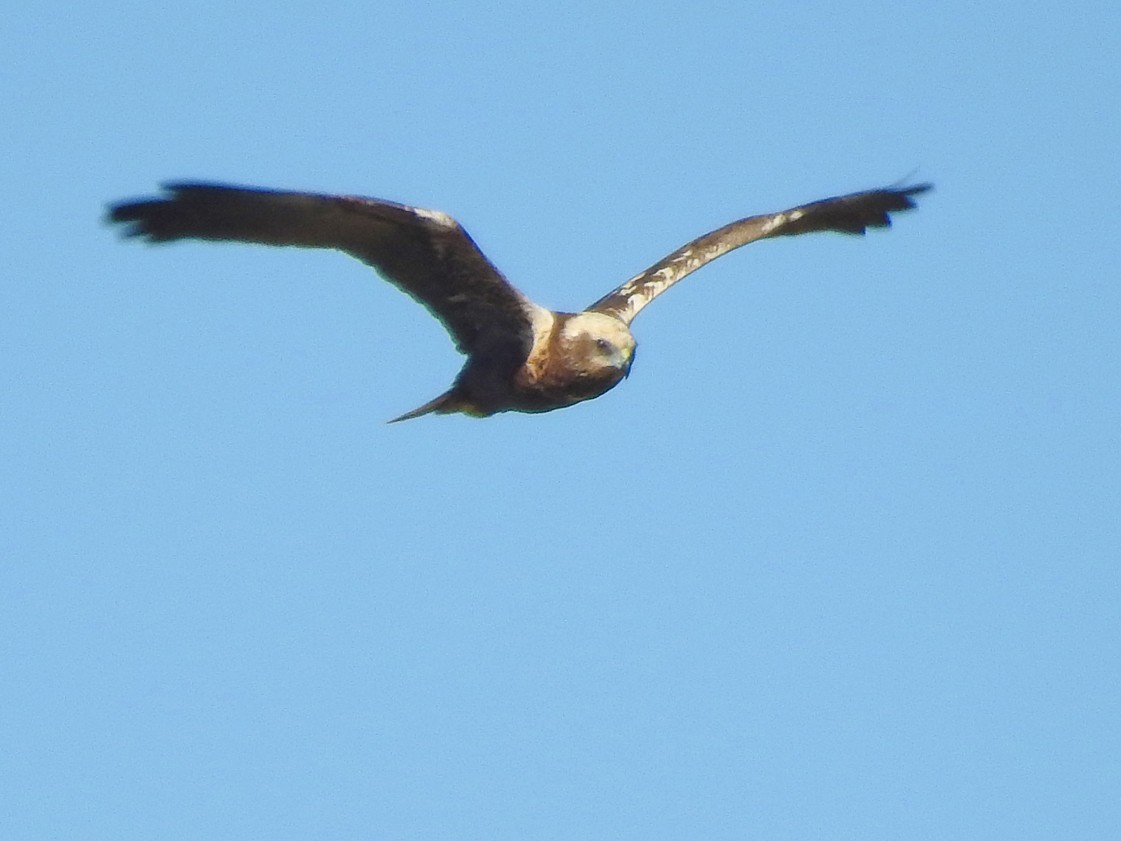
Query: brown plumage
(520,356)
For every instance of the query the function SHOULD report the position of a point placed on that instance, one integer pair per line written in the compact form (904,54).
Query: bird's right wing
(850,214)
(425,253)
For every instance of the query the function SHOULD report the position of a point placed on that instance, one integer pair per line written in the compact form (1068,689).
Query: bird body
(520,356)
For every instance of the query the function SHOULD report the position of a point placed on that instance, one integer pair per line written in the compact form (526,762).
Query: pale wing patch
(438,216)
(645,287)
(542,322)
(780,219)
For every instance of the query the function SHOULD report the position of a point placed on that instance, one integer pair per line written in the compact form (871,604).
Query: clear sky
(840,560)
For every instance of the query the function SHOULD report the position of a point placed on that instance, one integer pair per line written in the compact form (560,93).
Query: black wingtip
(914,190)
(855,213)
(131,215)
(158,218)
(880,204)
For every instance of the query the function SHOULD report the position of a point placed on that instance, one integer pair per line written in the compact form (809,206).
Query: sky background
(840,560)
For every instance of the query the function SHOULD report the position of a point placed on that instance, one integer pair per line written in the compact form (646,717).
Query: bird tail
(447,403)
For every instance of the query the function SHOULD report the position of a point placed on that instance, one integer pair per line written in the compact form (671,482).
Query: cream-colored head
(597,345)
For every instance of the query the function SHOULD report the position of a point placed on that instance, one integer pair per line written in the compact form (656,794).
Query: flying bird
(521,356)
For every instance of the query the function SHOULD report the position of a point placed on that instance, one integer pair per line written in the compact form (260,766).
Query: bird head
(598,346)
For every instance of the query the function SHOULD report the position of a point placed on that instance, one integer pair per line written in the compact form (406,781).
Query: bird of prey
(520,356)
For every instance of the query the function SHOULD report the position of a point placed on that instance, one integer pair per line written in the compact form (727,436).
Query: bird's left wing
(425,253)
(850,214)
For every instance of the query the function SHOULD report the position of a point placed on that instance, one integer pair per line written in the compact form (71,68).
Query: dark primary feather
(427,255)
(850,214)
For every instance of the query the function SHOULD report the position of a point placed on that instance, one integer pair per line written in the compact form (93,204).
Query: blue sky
(839,560)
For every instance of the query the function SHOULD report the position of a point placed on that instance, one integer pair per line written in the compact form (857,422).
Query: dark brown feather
(425,254)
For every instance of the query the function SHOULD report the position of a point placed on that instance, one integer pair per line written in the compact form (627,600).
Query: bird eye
(604,345)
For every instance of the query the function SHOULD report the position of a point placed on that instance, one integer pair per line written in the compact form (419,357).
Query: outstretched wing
(851,214)
(425,253)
